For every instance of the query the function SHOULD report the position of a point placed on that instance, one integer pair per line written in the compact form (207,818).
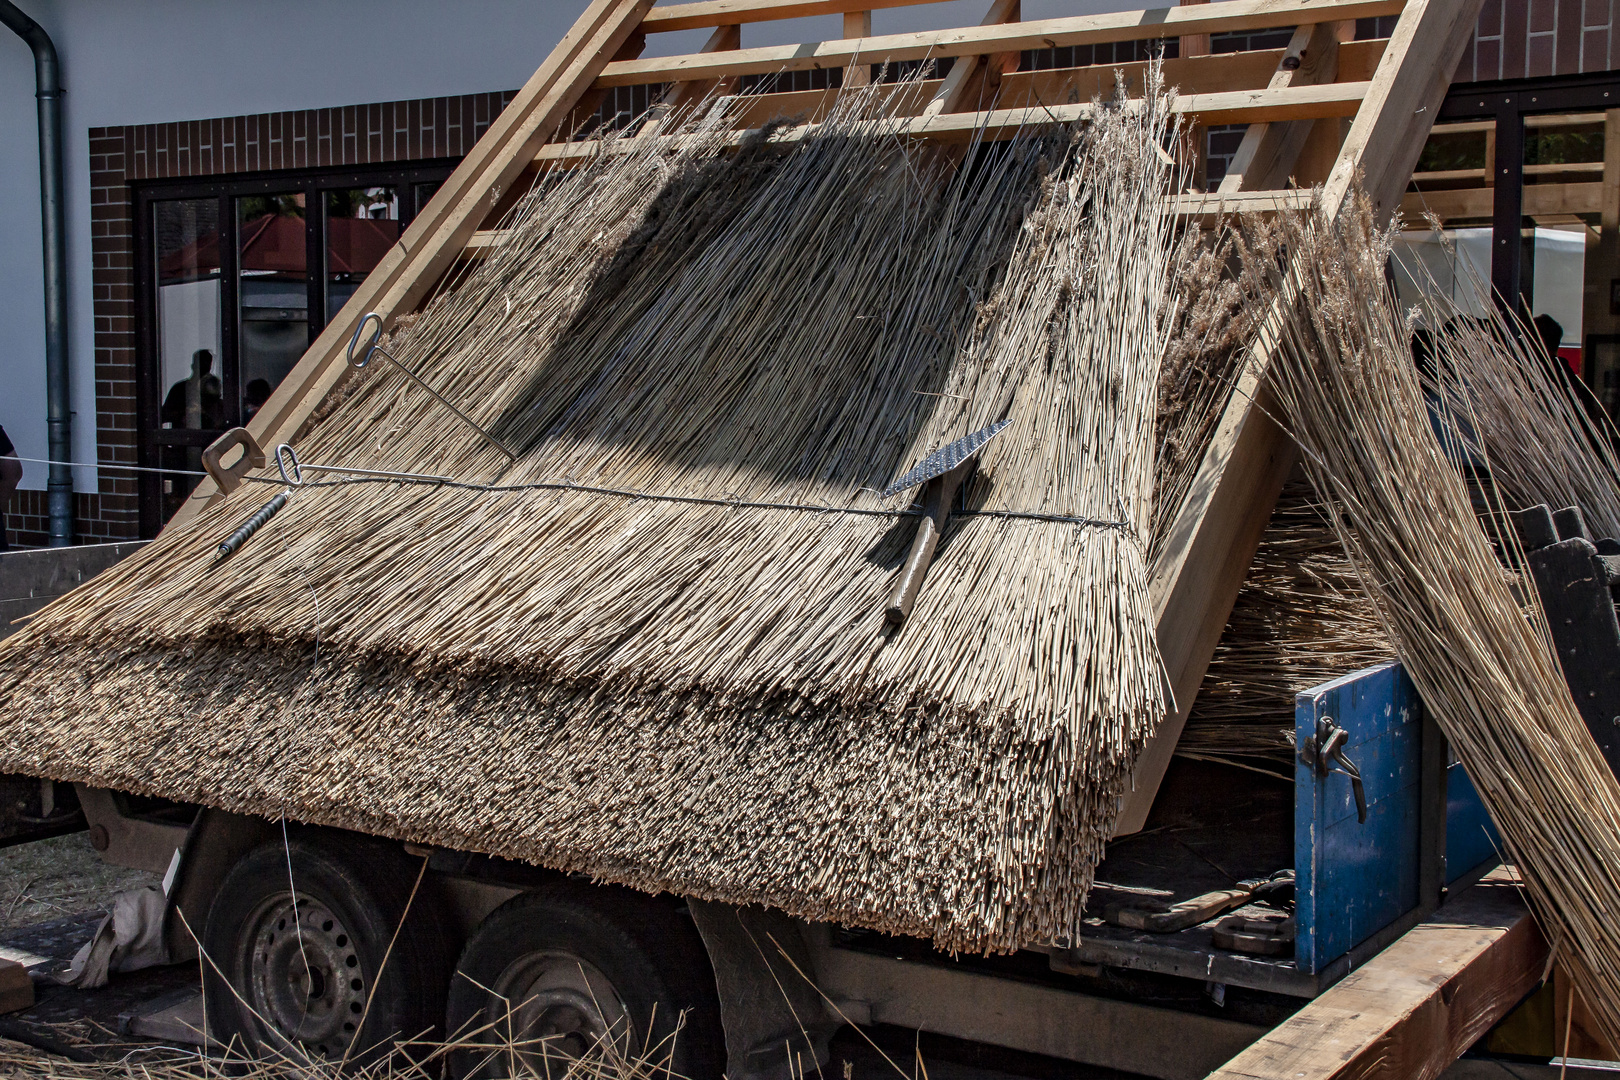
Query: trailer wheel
(304,977)
(575,971)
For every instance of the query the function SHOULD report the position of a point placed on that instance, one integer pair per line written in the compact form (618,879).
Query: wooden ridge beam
(1236,106)
(984,40)
(1414,1008)
(1216,531)
(438,235)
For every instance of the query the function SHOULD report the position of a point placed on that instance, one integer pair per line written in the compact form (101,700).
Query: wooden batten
(984,40)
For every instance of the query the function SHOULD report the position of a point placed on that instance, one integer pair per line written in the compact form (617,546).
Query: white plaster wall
(155,61)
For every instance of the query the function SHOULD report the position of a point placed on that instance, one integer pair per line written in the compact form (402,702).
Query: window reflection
(274,297)
(186,247)
(361,225)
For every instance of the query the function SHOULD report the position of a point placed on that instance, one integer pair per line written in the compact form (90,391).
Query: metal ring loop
(371,343)
(285,454)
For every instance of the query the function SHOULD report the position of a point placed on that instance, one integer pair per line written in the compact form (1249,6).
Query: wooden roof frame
(1378,98)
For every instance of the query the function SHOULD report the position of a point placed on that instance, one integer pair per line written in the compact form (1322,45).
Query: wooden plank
(983,40)
(1540,200)
(965,84)
(668,17)
(1144,1040)
(1052,86)
(1189,204)
(1218,527)
(1463,127)
(1218,203)
(1237,106)
(685,94)
(16,988)
(1268,151)
(436,238)
(1416,1006)
(857,25)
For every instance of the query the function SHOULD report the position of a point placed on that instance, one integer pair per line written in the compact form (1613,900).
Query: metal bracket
(1324,749)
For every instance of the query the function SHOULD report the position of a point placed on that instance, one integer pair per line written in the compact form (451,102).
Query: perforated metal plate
(946,458)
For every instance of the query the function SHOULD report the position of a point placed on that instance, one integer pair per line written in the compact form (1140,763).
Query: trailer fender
(776,1022)
(214,843)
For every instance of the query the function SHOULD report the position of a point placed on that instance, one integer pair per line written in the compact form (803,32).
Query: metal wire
(383,476)
(699,500)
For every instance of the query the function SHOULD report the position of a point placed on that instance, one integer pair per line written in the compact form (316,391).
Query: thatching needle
(372,348)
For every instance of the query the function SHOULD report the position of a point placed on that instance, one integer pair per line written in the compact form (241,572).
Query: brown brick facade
(346,135)
(1527,39)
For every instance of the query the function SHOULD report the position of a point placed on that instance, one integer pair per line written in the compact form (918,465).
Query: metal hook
(285,454)
(373,348)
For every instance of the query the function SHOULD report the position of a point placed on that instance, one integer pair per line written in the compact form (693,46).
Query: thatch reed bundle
(687,685)
(1301,619)
(1209,340)
(1352,397)
(1506,402)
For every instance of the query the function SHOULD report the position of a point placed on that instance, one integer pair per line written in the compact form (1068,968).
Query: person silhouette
(254,396)
(196,402)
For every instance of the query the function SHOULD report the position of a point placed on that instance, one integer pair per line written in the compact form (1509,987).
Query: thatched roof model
(652,648)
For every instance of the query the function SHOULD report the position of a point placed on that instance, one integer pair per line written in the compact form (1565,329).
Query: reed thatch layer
(1208,344)
(685,684)
(1301,619)
(1351,395)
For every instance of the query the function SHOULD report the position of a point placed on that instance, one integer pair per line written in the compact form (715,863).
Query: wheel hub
(562,1007)
(304,976)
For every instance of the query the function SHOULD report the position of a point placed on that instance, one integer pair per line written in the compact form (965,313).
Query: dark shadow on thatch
(606,381)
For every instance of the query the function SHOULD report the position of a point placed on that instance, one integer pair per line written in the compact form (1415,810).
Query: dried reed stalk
(1209,337)
(684,697)
(1546,438)
(1345,377)
(1301,619)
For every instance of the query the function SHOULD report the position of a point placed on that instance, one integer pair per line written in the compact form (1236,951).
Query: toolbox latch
(1324,753)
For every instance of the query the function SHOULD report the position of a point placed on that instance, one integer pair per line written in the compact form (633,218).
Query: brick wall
(1523,39)
(345,135)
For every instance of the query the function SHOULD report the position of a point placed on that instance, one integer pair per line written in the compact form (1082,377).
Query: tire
(577,962)
(352,893)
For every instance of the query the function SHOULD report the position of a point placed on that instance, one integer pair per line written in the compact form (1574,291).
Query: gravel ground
(57,878)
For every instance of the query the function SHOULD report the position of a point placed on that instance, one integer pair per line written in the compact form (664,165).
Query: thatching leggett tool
(943,471)
(358,360)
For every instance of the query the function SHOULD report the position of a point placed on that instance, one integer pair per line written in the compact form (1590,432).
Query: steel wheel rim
(552,1008)
(303,976)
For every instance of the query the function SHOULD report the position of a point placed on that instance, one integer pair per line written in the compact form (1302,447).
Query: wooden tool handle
(937,499)
(230,478)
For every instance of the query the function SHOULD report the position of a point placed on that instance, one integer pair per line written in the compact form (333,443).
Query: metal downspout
(48,80)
